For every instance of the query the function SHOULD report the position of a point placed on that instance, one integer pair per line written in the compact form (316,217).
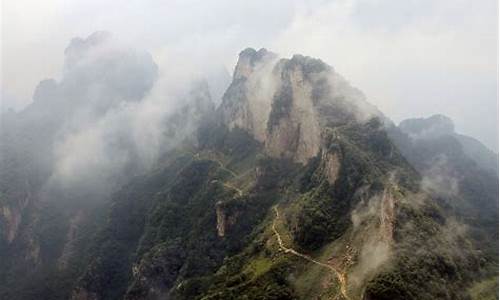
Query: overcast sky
(412,58)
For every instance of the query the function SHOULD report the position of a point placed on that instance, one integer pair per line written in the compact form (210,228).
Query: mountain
(293,187)
(460,171)
(453,165)
(439,126)
(80,140)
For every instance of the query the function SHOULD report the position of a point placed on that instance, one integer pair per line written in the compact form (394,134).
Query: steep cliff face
(226,218)
(11,217)
(286,103)
(293,128)
(247,102)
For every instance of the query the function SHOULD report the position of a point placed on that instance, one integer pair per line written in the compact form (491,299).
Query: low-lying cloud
(112,108)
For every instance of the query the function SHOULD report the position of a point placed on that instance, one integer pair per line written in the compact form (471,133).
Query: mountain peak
(285,103)
(308,64)
(254,54)
(249,59)
(431,127)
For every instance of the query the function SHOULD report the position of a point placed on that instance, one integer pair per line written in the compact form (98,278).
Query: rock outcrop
(285,103)
(247,102)
(221,219)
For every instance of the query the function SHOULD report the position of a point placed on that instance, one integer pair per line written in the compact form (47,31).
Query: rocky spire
(284,103)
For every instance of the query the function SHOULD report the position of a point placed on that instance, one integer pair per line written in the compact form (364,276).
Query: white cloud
(411,58)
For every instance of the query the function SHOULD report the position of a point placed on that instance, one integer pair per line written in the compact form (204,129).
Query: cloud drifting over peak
(110,115)
(411,58)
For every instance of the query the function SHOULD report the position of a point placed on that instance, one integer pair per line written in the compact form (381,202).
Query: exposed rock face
(69,246)
(226,218)
(373,225)
(332,166)
(284,104)
(221,220)
(387,216)
(11,216)
(247,102)
(12,220)
(156,273)
(293,129)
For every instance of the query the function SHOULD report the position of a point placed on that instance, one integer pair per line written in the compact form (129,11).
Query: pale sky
(412,58)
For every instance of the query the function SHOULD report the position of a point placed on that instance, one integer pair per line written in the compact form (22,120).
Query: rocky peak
(306,64)
(293,126)
(285,103)
(248,61)
(247,102)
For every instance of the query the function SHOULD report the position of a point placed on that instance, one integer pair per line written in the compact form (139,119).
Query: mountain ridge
(293,139)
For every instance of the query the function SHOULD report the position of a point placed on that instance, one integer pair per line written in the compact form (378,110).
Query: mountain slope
(301,195)
(439,126)
(458,169)
(294,187)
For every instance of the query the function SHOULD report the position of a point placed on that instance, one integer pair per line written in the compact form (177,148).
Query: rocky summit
(292,187)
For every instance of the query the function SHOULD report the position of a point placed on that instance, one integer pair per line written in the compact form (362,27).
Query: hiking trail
(341,277)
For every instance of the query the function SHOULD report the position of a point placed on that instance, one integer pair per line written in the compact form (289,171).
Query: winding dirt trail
(230,186)
(222,166)
(341,277)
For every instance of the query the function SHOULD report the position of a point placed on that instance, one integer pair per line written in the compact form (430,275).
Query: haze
(411,58)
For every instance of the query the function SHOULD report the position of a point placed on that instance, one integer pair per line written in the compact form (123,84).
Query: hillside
(293,187)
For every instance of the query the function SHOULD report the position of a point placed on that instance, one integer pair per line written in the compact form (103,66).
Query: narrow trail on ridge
(341,277)
(222,166)
(215,159)
(230,186)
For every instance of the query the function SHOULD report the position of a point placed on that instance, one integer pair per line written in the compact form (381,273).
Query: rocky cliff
(287,103)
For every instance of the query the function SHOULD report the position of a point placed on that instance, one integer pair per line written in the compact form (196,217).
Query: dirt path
(230,186)
(221,165)
(342,278)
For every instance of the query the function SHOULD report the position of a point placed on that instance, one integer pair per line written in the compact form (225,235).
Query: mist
(285,149)
(109,116)
(410,58)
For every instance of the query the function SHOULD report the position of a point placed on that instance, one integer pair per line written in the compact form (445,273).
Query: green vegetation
(485,290)
(434,260)
(158,236)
